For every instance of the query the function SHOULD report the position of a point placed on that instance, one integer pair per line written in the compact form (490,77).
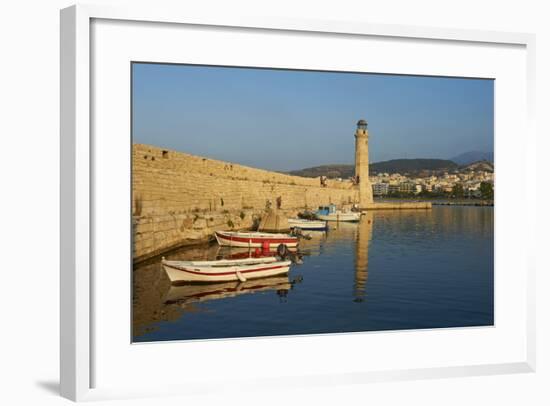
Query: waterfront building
(380,189)
(407,187)
(393,187)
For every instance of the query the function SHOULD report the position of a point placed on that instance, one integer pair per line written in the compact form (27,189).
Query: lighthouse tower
(362,164)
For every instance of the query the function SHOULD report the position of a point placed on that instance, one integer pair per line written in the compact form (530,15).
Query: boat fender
(240,276)
(282,250)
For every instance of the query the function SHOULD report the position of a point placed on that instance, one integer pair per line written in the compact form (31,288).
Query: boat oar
(240,276)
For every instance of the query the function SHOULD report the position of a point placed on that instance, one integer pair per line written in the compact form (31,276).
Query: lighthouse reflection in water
(393,270)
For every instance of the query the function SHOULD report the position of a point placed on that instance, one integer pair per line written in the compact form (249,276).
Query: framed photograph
(290,202)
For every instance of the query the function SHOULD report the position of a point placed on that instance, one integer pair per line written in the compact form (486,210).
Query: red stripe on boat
(257,240)
(225,273)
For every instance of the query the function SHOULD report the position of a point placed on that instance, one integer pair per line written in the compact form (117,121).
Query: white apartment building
(380,189)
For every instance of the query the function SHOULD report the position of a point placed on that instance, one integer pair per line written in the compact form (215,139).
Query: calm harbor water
(394,270)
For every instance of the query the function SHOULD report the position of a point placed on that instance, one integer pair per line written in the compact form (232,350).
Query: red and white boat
(255,239)
(224,270)
(244,253)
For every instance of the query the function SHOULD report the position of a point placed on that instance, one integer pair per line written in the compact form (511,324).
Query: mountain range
(469,157)
(411,167)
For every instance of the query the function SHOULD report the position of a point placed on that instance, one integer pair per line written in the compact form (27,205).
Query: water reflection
(410,269)
(184,295)
(155,299)
(364,235)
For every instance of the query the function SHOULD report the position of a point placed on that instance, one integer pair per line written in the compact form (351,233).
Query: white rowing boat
(330,213)
(304,224)
(254,239)
(224,270)
(340,216)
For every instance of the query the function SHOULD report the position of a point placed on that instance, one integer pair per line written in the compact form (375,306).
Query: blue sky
(285,119)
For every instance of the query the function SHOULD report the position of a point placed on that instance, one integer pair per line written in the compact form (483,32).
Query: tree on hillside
(487,191)
(458,191)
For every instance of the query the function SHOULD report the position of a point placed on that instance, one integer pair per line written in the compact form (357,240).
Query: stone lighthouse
(362,164)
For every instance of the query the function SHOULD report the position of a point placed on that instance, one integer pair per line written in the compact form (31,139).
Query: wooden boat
(224,270)
(330,213)
(254,239)
(304,224)
(245,252)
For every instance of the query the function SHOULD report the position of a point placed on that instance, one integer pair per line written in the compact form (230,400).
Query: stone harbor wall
(180,199)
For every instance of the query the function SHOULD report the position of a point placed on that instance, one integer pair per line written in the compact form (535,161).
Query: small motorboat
(254,239)
(330,213)
(224,270)
(304,224)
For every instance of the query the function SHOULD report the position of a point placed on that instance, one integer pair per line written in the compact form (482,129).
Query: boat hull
(253,240)
(348,217)
(209,274)
(310,225)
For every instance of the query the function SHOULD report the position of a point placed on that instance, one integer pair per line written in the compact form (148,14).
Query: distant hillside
(343,171)
(412,166)
(479,166)
(472,156)
(403,166)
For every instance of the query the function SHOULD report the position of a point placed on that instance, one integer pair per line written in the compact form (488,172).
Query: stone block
(199,224)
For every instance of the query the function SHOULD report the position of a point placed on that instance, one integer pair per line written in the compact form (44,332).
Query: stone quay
(181,199)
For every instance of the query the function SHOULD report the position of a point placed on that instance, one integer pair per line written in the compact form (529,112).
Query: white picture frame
(78,352)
